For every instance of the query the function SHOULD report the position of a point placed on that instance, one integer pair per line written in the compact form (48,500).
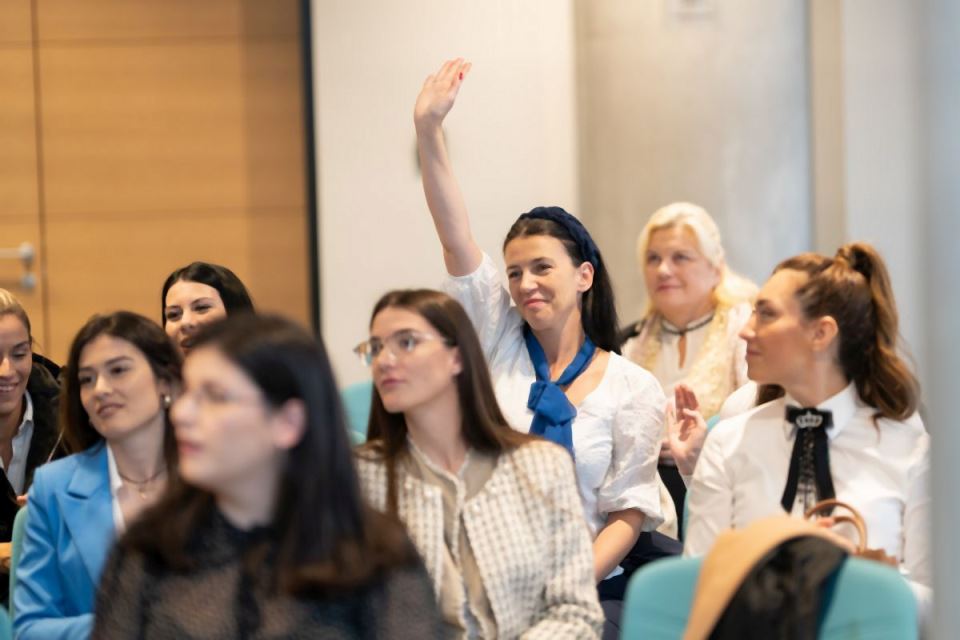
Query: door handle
(25,253)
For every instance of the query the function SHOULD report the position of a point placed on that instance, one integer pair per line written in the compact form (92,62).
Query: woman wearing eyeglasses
(552,342)
(267,535)
(494,513)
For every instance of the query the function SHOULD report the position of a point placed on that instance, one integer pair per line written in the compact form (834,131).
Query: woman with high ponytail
(838,417)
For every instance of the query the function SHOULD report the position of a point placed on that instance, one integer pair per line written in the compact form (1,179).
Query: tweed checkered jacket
(528,535)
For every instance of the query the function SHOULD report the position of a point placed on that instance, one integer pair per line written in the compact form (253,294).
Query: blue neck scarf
(553,413)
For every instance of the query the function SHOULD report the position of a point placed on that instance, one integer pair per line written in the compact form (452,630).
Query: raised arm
(447,207)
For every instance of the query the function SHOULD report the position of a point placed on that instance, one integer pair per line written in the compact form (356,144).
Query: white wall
(512,139)
(882,114)
(712,109)
(941,268)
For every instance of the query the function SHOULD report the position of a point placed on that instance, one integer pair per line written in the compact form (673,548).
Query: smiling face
(544,282)
(679,279)
(780,339)
(227,433)
(188,306)
(118,388)
(415,365)
(16,361)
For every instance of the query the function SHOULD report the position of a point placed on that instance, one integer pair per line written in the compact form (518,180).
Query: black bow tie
(810,460)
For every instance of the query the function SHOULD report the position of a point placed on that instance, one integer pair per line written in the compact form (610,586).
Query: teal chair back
(356,403)
(867,600)
(6,626)
(16,548)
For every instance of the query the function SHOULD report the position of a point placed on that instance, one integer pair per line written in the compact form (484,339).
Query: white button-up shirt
(882,469)
(617,430)
(17,472)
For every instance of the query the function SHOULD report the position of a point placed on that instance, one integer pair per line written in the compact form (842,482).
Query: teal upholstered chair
(356,403)
(867,600)
(16,548)
(6,626)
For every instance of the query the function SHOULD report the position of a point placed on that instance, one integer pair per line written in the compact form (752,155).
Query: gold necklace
(140,486)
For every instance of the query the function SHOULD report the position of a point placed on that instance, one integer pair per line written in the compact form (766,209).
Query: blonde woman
(696,306)
(688,335)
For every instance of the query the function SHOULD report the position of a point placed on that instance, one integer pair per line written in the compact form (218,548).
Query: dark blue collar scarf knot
(553,413)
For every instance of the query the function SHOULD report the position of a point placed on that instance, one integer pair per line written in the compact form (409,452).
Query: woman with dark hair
(121,376)
(198,294)
(267,528)
(494,512)
(839,418)
(554,356)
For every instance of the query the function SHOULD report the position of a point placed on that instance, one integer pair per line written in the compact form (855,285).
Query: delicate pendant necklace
(682,332)
(140,486)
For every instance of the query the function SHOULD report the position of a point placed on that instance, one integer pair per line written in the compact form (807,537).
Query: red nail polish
(461,75)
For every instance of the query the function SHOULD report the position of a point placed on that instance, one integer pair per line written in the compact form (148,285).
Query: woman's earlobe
(290,423)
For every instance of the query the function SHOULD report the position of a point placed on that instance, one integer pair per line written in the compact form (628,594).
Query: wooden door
(166,132)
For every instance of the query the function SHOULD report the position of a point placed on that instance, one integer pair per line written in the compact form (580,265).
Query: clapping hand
(439,93)
(686,429)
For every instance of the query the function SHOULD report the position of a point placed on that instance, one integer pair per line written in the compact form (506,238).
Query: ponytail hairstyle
(732,289)
(598,306)
(854,289)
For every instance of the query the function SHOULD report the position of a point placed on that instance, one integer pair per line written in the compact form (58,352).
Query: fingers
(685,397)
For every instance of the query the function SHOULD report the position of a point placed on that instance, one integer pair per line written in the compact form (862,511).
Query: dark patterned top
(227,595)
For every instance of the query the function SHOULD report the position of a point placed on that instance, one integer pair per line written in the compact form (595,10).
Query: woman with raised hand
(843,423)
(199,294)
(495,513)
(266,535)
(554,355)
(122,374)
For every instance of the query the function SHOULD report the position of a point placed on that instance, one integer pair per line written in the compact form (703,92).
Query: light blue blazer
(69,533)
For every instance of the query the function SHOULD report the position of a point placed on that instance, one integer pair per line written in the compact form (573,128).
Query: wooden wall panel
(140,20)
(141,129)
(18,135)
(15,22)
(172,131)
(133,257)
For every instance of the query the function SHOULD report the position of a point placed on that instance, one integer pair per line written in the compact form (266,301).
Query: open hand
(439,93)
(686,429)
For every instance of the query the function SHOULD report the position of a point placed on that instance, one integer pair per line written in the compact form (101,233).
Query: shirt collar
(115,480)
(842,406)
(27,415)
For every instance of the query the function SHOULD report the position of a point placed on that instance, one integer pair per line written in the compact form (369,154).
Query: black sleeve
(408,607)
(118,607)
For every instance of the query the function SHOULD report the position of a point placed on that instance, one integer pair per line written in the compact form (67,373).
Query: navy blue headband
(574,228)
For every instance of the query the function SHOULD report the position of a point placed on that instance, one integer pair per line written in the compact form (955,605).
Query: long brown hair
(144,334)
(484,427)
(854,289)
(325,538)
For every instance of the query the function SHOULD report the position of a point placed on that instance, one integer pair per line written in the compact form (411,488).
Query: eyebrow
(531,260)
(109,362)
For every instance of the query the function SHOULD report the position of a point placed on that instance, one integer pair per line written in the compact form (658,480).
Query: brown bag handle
(854,518)
(857,521)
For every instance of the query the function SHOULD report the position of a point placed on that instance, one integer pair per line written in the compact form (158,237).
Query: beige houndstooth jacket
(527,532)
